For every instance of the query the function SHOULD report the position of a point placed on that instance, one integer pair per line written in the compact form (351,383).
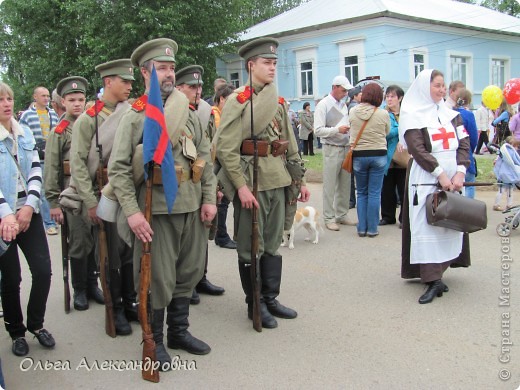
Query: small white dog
(307,217)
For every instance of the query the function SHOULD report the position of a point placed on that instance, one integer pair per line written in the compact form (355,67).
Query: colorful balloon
(492,97)
(512,91)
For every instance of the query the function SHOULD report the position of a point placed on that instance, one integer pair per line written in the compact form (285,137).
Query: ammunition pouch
(296,170)
(279,147)
(248,148)
(197,169)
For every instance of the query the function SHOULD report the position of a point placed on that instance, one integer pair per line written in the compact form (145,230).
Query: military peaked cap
(160,49)
(72,84)
(122,68)
(189,75)
(261,47)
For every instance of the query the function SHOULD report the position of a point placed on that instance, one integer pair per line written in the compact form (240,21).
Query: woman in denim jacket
(22,226)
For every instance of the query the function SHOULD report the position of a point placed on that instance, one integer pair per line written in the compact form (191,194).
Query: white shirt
(330,135)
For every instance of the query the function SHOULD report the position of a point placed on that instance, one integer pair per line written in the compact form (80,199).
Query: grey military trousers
(178,256)
(271,215)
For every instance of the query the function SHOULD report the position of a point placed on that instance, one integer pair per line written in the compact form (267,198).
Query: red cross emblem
(444,136)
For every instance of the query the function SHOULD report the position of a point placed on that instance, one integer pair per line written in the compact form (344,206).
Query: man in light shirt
(331,124)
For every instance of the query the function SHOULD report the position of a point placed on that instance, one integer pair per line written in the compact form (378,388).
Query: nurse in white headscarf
(439,145)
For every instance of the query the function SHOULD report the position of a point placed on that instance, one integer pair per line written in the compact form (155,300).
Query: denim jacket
(9,169)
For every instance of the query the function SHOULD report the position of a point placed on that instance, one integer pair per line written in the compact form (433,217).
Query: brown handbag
(454,211)
(347,163)
(401,158)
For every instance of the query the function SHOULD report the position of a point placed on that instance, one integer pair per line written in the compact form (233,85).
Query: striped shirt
(31,119)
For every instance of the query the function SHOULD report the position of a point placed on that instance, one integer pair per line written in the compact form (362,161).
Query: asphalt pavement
(359,325)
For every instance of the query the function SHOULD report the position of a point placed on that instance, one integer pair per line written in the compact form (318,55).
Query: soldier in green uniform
(179,238)
(56,178)
(271,124)
(189,82)
(93,129)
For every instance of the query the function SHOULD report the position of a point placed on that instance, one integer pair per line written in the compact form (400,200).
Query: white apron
(432,244)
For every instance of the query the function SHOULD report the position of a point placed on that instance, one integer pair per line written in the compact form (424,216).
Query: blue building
(391,39)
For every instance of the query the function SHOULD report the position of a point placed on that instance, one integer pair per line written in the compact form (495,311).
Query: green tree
(510,7)
(42,41)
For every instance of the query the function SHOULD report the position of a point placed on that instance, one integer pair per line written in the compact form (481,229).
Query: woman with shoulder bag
(368,129)
(439,145)
(22,225)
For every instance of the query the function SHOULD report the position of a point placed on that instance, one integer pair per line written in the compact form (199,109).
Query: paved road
(359,325)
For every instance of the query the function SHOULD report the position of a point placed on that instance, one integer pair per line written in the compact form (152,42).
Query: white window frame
(351,67)
(349,48)
(304,55)
(469,68)
(507,68)
(421,51)
(235,67)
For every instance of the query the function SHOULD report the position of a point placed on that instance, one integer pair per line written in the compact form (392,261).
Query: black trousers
(394,179)
(308,145)
(482,139)
(33,244)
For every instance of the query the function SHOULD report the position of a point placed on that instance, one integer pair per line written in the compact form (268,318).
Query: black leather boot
(78,273)
(93,291)
(195,298)
(161,355)
(178,335)
(268,321)
(222,238)
(205,286)
(128,293)
(435,288)
(271,268)
(123,328)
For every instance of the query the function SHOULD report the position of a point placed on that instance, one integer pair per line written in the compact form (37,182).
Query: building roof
(319,14)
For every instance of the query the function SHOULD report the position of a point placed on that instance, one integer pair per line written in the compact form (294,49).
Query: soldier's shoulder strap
(140,104)
(245,94)
(96,108)
(60,128)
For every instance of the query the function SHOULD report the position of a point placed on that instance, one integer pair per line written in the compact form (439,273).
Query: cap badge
(273,49)
(130,70)
(74,85)
(196,76)
(168,51)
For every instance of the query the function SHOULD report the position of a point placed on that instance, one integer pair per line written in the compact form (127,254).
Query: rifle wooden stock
(104,270)
(65,263)
(110,327)
(148,371)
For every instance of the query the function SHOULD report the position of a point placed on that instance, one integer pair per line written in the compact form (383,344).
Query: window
(306,78)
(498,72)
(459,69)
(418,63)
(234,79)
(305,84)
(352,69)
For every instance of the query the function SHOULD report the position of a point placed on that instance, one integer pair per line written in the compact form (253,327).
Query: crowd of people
(61,164)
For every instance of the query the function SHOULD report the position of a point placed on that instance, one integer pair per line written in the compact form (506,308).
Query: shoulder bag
(347,163)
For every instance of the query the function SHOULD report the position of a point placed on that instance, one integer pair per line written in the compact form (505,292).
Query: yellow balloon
(492,97)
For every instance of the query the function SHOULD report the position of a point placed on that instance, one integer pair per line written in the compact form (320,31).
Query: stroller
(507,171)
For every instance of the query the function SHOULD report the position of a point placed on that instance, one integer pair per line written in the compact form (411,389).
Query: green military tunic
(57,150)
(84,131)
(179,241)
(273,176)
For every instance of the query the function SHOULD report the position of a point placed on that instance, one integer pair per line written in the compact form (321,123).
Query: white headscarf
(418,110)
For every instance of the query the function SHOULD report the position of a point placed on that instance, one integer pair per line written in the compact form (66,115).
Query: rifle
(255,260)
(110,327)
(148,371)
(64,243)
